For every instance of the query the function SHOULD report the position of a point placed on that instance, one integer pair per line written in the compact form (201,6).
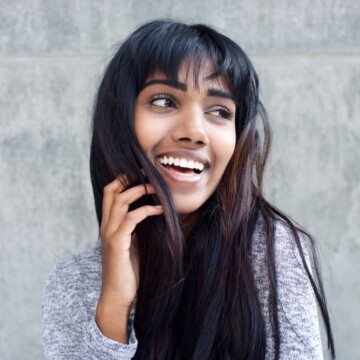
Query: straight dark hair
(197,297)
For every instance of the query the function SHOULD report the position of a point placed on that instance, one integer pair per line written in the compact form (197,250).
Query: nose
(190,128)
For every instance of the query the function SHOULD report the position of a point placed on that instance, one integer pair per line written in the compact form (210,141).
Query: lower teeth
(179,169)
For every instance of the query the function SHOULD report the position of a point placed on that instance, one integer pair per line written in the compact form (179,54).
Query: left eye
(162,101)
(222,112)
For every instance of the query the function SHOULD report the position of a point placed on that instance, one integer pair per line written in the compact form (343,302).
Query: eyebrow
(173,83)
(220,93)
(183,87)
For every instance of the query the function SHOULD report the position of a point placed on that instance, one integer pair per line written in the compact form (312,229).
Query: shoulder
(290,275)
(77,264)
(285,244)
(76,275)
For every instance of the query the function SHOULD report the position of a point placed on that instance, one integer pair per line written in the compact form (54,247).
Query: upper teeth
(190,164)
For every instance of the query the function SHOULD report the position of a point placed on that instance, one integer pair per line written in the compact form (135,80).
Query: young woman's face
(188,133)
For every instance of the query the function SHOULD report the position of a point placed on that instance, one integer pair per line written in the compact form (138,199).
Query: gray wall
(51,55)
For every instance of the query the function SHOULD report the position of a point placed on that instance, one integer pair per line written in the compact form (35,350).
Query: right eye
(162,100)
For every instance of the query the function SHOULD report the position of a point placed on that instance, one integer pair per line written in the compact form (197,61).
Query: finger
(121,204)
(110,190)
(134,217)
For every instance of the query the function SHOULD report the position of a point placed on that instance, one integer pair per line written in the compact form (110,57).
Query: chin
(187,207)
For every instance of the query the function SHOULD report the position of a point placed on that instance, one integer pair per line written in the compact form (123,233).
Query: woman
(194,263)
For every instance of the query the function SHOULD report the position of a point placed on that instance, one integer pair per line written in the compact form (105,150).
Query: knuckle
(107,188)
(140,189)
(130,216)
(147,209)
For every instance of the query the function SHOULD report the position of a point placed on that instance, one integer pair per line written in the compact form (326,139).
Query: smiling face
(187,132)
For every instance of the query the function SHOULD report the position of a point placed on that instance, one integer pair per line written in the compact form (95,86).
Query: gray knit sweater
(72,290)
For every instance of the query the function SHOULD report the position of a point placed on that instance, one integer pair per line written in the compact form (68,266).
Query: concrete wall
(51,55)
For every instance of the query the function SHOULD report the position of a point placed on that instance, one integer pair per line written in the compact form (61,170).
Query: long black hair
(197,297)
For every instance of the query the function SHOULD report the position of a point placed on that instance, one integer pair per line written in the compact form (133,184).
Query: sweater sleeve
(69,327)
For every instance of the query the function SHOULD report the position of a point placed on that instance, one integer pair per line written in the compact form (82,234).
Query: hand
(120,258)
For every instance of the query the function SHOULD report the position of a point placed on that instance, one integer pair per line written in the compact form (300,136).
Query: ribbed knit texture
(72,291)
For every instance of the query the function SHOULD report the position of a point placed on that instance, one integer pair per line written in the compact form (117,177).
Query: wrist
(112,321)
(111,299)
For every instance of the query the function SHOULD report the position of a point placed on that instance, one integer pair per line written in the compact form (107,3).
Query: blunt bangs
(163,46)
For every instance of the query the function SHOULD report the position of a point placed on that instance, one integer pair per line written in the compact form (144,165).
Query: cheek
(223,149)
(225,146)
(145,131)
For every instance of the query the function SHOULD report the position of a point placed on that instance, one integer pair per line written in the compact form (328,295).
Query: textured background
(52,53)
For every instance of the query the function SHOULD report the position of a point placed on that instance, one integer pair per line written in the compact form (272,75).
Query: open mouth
(182,170)
(184,166)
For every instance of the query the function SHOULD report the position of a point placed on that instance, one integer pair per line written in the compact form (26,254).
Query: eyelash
(161,97)
(228,113)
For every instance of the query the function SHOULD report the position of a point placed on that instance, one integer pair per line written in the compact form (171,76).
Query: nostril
(186,139)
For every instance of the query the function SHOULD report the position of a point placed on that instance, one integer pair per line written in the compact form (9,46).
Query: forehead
(195,76)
